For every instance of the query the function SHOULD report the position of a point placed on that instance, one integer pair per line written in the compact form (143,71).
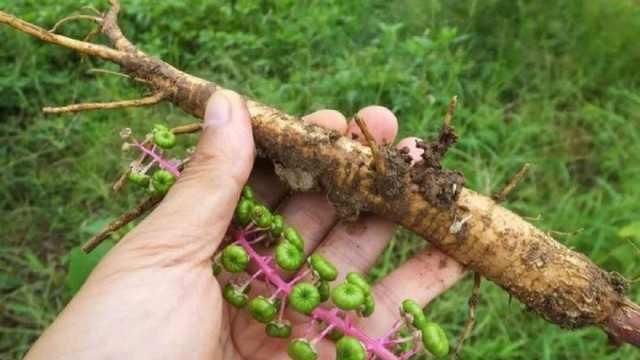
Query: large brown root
(561,285)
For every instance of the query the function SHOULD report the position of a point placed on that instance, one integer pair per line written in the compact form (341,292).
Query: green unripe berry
(247,193)
(291,235)
(159,127)
(304,297)
(277,225)
(301,349)
(261,216)
(216,268)
(324,289)
(262,309)
(244,211)
(359,281)
(289,257)
(368,307)
(165,139)
(349,348)
(326,271)
(161,182)
(138,178)
(278,329)
(234,258)
(234,296)
(413,311)
(347,296)
(435,339)
(335,334)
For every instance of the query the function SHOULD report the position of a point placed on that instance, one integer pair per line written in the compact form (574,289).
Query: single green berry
(159,127)
(247,193)
(304,297)
(262,309)
(261,216)
(347,296)
(165,139)
(326,271)
(324,289)
(138,178)
(289,257)
(278,329)
(301,349)
(291,235)
(161,182)
(216,268)
(368,307)
(277,225)
(359,281)
(243,211)
(413,311)
(234,258)
(335,334)
(434,339)
(234,296)
(349,348)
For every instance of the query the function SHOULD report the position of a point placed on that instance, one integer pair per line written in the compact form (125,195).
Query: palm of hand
(154,295)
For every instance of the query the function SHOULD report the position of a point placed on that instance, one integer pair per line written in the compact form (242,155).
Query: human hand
(154,296)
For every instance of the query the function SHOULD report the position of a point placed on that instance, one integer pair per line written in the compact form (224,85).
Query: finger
(356,246)
(200,205)
(327,118)
(382,124)
(422,278)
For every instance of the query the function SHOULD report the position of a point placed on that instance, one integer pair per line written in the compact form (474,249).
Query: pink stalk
(322,334)
(396,326)
(253,277)
(329,317)
(162,162)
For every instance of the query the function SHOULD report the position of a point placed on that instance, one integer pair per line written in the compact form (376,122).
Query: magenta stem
(328,316)
(322,334)
(396,326)
(251,279)
(282,305)
(299,277)
(163,163)
(269,272)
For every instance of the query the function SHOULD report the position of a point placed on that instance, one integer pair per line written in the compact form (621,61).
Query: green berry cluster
(354,294)
(161,181)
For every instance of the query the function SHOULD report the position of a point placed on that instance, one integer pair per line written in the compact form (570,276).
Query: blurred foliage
(553,83)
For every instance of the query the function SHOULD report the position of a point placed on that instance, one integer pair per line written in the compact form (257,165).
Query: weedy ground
(552,83)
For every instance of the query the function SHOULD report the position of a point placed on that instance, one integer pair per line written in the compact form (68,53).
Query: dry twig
(121,222)
(501,195)
(145,101)
(474,299)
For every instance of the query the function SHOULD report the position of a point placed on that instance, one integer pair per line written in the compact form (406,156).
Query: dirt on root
(439,186)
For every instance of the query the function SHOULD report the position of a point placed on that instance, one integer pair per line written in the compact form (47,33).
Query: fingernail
(218,111)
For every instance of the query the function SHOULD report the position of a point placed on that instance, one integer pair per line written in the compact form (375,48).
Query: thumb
(200,205)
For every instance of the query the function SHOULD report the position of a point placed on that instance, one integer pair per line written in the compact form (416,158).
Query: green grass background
(552,83)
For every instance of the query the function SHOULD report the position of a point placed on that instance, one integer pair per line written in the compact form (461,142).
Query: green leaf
(8,282)
(81,265)
(630,231)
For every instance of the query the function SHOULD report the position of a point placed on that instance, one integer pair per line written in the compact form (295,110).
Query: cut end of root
(624,325)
